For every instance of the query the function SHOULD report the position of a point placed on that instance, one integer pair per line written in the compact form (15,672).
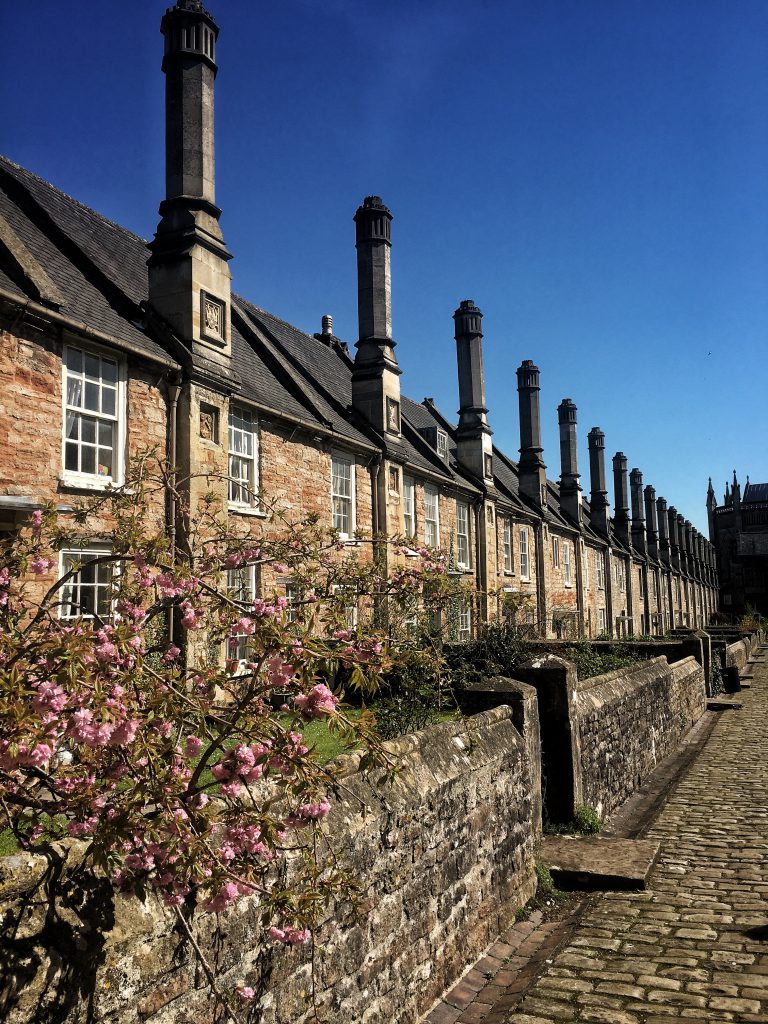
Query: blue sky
(593,174)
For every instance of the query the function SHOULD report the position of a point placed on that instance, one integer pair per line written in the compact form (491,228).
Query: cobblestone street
(694,946)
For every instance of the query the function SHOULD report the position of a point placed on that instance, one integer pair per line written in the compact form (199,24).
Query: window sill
(508,572)
(97,485)
(525,579)
(247,510)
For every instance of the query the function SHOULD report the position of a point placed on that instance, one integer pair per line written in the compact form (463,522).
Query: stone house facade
(110,345)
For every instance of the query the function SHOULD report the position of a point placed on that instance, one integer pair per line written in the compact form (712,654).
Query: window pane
(108,371)
(92,396)
(108,401)
(88,430)
(88,464)
(74,391)
(70,458)
(92,366)
(75,360)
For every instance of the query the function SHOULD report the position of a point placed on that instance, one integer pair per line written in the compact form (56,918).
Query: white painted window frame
(84,554)
(95,481)
(525,555)
(251,485)
(509,556)
(567,566)
(348,460)
(463,550)
(431,522)
(409,506)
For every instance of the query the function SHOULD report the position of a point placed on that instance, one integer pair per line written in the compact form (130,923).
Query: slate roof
(755,492)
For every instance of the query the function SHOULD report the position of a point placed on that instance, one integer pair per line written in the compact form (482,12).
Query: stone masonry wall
(444,857)
(629,720)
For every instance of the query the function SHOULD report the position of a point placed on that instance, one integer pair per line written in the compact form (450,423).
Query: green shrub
(586,820)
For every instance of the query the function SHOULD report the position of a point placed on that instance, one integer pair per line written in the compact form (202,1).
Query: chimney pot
(327,323)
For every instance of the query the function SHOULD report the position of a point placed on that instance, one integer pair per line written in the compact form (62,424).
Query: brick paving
(693,946)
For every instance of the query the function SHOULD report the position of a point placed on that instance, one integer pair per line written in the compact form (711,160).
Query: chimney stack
(189,278)
(474,448)
(674,536)
(570,488)
(598,499)
(661,508)
(531,468)
(651,527)
(638,511)
(375,375)
(620,498)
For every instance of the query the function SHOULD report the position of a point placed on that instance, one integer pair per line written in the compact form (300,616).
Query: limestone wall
(444,857)
(629,720)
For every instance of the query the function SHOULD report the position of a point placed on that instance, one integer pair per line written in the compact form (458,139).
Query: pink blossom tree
(162,720)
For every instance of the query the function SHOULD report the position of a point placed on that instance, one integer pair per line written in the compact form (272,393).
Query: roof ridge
(65,195)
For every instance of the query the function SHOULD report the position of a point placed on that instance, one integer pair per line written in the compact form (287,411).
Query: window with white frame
(462,534)
(567,564)
(294,597)
(347,599)
(623,578)
(465,620)
(343,495)
(601,620)
(556,552)
(243,456)
(409,507)
(431,516)
(585,563)
(94,416)
(525,562)
(88,592)
(241,587)
(600,570)
(509,565)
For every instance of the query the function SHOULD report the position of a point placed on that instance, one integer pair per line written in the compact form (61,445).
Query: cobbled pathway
(694,946)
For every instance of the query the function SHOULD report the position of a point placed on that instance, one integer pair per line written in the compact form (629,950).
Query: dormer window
(441,444)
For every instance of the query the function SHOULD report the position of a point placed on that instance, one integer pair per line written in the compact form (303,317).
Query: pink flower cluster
(291,936)
(242,764)
(319,702)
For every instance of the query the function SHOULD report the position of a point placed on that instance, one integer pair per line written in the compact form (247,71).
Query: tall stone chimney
(674,536)
(598,498)
(661,508)
(638,511)
(531,468)
(189,278)
(681,540)
(620,498)
(651,522)
(473,435)
(570,488)
(375,375)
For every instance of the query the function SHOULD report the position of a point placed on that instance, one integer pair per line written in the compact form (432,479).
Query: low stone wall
(738,653)
(444,856)
(631,719)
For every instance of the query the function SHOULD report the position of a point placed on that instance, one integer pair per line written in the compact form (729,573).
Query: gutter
(78,327)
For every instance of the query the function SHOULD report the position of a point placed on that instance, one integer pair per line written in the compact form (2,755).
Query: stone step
(723,704)
(588,863)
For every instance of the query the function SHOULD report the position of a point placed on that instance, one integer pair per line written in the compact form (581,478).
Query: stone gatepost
(555,682)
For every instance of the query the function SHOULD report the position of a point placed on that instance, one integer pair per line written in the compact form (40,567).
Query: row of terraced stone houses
(109,345)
